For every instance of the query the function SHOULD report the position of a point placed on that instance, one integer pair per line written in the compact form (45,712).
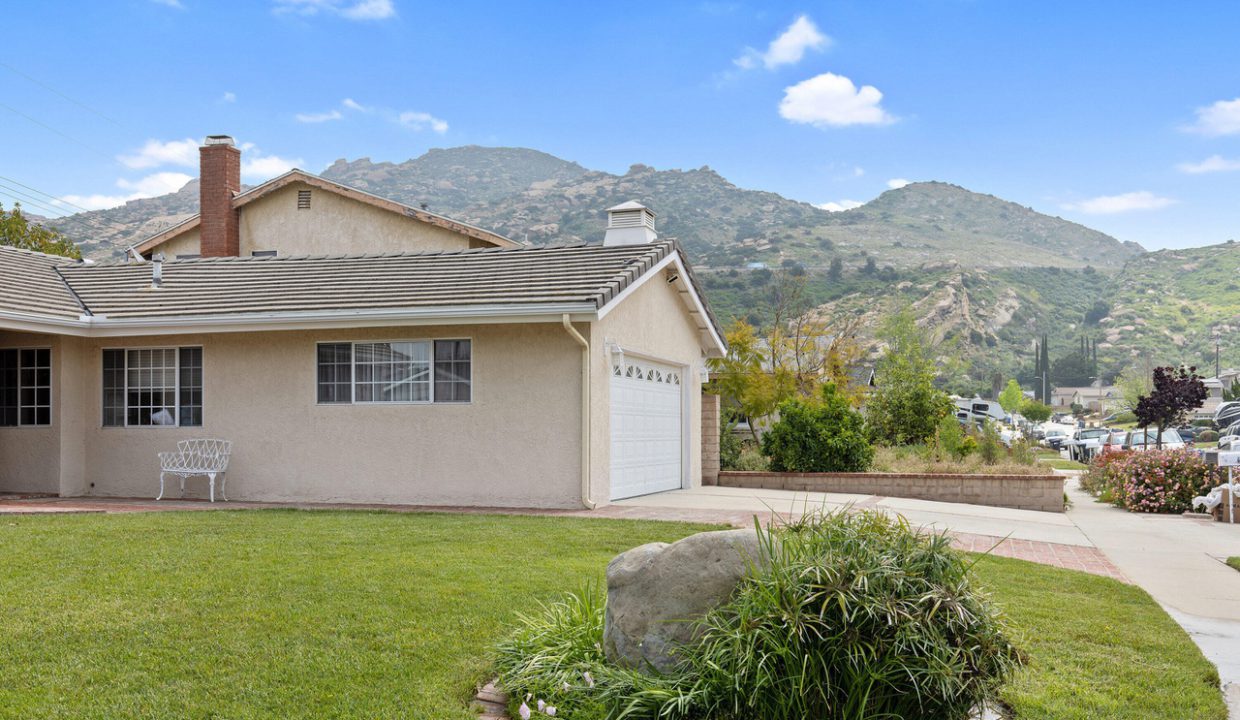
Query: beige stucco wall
(651,322)
(515,445)
(333,224)
(30,456)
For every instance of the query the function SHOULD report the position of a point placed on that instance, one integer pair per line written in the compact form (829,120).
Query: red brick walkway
(1072,557)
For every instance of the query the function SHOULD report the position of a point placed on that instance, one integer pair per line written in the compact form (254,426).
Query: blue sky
(1123,116)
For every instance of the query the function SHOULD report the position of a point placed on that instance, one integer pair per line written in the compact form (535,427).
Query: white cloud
(355,10)
(840,206)
(1212,164)
(1126,202)
(160,183)
(858,171)
(265,167)
(352,104)
(1221,118)
(830,100)
(170,3)
(157,152)
(788,48)
(420,121)
(318,117)
(897,183)
(228,97)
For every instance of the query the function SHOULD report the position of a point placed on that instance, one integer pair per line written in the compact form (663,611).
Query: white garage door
(645,428)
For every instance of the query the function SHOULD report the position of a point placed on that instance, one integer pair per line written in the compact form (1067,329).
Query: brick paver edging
(1022,492)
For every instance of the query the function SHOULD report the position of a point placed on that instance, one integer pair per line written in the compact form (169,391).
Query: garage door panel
(646,429)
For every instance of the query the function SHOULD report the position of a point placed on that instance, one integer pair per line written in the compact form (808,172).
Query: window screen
(452,371)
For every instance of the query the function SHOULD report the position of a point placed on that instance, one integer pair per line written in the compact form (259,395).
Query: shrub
(1125,418)
(1206,436)
(856,615)
(949,440)
(730,446)
(823,436)
(1022,453)
(1095,479)
(1159,481)
(752,460)
(989,446)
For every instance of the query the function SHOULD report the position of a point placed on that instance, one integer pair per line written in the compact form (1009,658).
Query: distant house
(1226,380)
(1094,398)
(357,350)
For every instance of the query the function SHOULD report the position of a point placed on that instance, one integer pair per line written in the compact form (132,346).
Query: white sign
(1229,458)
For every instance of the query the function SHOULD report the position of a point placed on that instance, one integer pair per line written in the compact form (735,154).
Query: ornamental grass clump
(855,617)
(1158,481)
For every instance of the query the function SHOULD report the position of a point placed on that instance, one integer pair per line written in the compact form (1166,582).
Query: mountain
(987,274)
(1169,305)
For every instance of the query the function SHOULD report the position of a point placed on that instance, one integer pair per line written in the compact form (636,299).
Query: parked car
(1188,433)
(1227,413)
(1085,443)
(1114,441)
(1054,438)
(1142,440)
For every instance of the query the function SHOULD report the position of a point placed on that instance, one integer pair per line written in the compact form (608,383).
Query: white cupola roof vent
(630,223)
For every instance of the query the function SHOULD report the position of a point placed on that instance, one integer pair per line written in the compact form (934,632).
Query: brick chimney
(219,163)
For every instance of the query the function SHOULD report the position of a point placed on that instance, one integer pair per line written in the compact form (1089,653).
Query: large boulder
(656,592)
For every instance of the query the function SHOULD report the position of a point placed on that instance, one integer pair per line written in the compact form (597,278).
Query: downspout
(585,410)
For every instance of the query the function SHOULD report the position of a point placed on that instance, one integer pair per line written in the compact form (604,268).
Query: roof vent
(157,271)
(218,140)
(630,223)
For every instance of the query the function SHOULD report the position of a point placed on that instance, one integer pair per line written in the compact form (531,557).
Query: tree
(1072,370)
(1035,411)
(17,231)
(1176,393)
(741,376)
(1134,382)
(1012,397)
(836,270)
(799,352)
(906,407)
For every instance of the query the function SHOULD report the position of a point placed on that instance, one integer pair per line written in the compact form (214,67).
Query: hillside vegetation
(986,274)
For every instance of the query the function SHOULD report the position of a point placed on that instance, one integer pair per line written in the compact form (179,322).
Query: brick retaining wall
(710,439)
(1023,492)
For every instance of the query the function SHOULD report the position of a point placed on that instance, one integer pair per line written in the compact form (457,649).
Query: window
(263,253)
(25,387)
(303,199)
(395,372)
(152,387)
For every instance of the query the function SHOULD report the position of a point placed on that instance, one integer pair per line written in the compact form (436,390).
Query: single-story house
(424,361)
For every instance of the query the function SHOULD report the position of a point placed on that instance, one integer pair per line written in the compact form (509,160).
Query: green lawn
(277,614)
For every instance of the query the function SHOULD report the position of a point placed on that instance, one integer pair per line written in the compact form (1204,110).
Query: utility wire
(54,91)
(29,200)
(49,128)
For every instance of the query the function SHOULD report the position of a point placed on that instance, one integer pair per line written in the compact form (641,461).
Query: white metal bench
(197,457)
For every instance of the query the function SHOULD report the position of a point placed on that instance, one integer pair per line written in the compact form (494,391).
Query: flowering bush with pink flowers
(1157,481)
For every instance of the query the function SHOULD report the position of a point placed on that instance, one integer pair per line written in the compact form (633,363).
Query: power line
(27,199)
(54,91)
(54,197)
(49,128)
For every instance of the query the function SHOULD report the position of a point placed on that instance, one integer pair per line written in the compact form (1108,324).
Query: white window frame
(51,389)
(176,391)
(353,372)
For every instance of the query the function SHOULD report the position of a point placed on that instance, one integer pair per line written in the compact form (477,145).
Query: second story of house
(299,213)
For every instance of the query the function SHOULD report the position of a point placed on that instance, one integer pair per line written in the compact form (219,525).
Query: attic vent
(303,199)
(630,218)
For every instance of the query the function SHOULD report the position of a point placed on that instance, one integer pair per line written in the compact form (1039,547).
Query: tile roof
(584,275)
(29,284)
